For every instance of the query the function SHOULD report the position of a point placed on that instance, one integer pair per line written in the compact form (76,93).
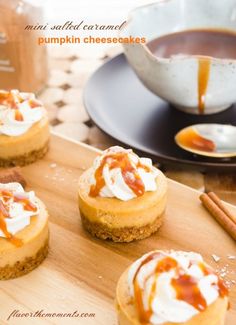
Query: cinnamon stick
(219,214)
(220,204)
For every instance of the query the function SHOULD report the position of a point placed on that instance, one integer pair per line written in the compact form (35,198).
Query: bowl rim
(158,59)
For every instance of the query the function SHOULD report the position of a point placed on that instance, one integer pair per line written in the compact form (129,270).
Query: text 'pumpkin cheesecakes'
(23,231)
(171,288)
(122,197)
(24,128)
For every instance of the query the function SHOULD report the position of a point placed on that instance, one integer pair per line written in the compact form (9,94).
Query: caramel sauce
(129,173)
(221,287)
(3,96)
(223,290)
(18,116)
(5,196)
(10,99)
(190,138)
(163,265)
(34,103)
(144,315)
(4,214)
(187,290)
(22,198)
(204,65)
(186,286)
(202,43)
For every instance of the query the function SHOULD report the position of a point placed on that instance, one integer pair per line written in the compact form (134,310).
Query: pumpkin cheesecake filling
(122,197)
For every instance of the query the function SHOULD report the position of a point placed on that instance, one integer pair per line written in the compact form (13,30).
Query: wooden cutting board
(81,272)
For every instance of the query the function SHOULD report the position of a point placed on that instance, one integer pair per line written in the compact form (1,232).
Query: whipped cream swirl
(122,174)
(172,286)
(16,208)
(18,112)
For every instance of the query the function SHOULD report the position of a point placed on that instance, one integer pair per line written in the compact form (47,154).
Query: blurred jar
(23,63)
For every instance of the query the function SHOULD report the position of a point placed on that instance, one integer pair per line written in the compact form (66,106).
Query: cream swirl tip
(120,173)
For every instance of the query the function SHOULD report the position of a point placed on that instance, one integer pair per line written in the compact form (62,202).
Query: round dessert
(24,128)
(122,197)
(23,231)
(171,288)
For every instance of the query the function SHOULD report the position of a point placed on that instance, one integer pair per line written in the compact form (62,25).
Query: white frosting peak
(166,280)
(16,208)
(124,175)
(18,112)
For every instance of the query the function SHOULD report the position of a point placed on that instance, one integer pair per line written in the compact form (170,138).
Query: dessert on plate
(23,231)
(171,288)
(122,197)
(24,128)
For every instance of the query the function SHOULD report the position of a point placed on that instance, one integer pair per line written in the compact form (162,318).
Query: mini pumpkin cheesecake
(122,197)
(24,128)
(23,231)
(171,288)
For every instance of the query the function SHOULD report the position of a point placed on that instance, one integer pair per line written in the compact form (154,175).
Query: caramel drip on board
(129,173)
(190,138)
(4,213)
(204,65)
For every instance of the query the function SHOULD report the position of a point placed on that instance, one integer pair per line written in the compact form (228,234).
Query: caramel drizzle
(190,138)
(18,116)
(204,65)
(12,100)
(5,196)
(221,287)
(144,315)
(187,290)
(186,287)
(163,265)
(129,173)
(34,103)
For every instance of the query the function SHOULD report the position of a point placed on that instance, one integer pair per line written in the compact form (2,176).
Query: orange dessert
(24,128)
(23,231)
(122,197)
(171,288)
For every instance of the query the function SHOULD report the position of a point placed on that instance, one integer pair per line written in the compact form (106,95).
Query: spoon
(210,140)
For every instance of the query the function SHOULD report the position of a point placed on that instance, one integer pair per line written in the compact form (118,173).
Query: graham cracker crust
(23,267)
(125,234)
(25,159)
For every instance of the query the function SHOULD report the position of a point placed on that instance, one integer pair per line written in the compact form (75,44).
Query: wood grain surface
(81,272)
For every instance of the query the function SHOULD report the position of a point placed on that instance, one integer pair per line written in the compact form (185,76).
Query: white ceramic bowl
(176,79)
